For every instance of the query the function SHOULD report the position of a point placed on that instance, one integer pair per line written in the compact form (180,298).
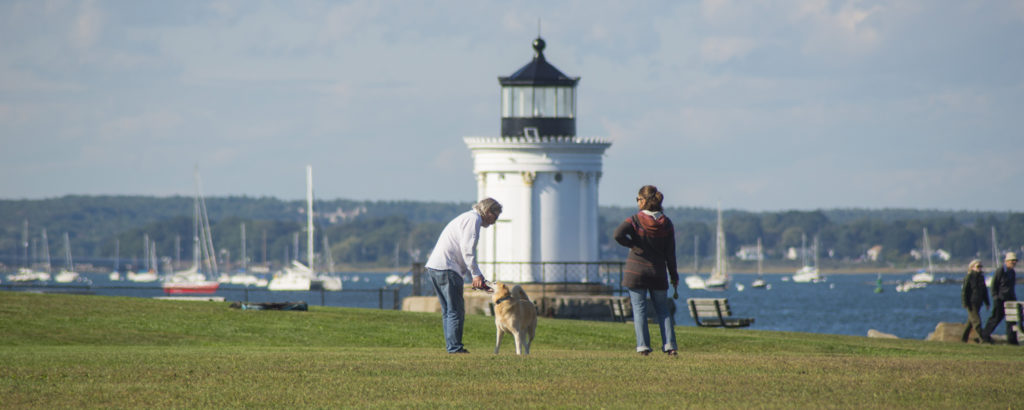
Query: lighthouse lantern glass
(537,102)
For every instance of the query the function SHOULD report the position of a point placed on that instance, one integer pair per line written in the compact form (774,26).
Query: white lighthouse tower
(544,176)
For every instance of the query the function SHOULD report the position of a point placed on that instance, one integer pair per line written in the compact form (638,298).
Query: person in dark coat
(1003,283)
(973,294)
(650,237)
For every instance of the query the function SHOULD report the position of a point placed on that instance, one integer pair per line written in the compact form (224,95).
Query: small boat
(68,274)
(808,273)
(192,280)
(759,282)
(910,285)
(719,278)
(925,274)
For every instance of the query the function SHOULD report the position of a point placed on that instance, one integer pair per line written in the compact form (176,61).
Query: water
(844,304)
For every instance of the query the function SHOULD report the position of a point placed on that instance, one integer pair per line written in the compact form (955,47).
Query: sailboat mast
(696,258)
(760,257)
(243,248)
(309,215)
(46,251)
(117,255)
(720,267)
(995,250)
(927,250)
(67,253)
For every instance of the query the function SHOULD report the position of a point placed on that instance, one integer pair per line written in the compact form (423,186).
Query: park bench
(1014,317)
(715,312)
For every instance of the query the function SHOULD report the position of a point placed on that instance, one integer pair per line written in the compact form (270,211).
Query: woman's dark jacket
(656,241)
(974,293)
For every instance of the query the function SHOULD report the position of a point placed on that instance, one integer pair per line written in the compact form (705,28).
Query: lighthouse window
(558,177)
(544,102)
(566,97)
(540,102)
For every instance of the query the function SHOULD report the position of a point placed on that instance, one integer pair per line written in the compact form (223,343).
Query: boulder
(872,333)
(947,332)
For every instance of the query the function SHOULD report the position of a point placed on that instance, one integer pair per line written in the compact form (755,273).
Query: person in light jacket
(973,294)
(650,237)
(453,258)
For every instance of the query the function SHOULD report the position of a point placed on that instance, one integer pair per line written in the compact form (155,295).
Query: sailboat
(694,281)
(26,273)
(759,282)
(925,275)
(299,276)
(150,273)
(193,280)
(719,279)
(115,275)
(808,273)
(68,274)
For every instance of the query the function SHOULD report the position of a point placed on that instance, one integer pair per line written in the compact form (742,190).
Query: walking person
(1003,283)
(973,294)
(650,237)
(453,258)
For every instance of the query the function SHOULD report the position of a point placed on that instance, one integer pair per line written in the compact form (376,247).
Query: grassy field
(59,351)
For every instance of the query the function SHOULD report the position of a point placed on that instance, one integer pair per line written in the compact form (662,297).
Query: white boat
(115,275)
(299,276)
(28,275)
(295,277)
(808,273)
(910,285)
(759,282)
(925,275)
(719,279)
(694,281)
(193,280)
(142,277)
(68,274)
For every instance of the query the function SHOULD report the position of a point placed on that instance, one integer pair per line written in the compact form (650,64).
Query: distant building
(874,253)
(747,253)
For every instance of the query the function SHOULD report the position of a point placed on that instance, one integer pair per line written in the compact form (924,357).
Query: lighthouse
(545,177)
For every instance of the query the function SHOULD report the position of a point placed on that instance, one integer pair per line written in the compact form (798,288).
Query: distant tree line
(397,233)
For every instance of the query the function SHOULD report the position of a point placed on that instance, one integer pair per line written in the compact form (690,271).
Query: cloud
(86,27)
(718,50)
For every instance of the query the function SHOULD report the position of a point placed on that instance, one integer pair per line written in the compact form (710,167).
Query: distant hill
(395,233)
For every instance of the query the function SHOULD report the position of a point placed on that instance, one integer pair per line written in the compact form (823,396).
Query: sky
(751,104)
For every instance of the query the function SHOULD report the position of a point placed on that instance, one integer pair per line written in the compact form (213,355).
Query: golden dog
(514,313)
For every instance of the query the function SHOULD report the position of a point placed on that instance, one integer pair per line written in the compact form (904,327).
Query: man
(1003,283)
(453,257)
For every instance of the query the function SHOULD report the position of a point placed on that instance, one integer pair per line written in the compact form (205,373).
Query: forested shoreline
(397,233)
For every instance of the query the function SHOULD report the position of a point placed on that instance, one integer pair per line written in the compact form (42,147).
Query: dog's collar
(502,299)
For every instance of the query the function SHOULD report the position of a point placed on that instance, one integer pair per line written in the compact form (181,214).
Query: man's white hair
(487,205)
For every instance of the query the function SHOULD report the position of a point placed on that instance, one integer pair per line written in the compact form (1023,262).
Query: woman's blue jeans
(667,323)
(448,286)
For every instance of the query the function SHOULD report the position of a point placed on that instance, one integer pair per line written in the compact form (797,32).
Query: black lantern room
(538,100)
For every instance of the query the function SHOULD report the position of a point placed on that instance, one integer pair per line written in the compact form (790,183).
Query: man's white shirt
(456,246)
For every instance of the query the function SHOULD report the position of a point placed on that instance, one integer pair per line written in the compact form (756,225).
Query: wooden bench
(1014,316)
(715,312)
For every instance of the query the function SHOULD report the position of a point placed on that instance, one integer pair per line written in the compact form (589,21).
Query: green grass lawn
(94,351)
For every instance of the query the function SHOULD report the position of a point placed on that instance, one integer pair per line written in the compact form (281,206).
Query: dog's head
(500,291)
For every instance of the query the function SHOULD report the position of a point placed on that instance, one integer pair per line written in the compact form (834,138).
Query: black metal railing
(385,298)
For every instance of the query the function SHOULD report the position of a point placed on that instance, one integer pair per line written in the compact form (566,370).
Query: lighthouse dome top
(539,71)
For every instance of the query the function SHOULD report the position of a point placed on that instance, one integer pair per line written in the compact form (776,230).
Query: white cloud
(85,29)
(719,50)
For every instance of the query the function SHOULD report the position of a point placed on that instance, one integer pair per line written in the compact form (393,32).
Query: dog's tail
(518,293)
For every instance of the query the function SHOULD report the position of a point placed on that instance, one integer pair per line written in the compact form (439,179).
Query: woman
(972,295)
(651,239)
